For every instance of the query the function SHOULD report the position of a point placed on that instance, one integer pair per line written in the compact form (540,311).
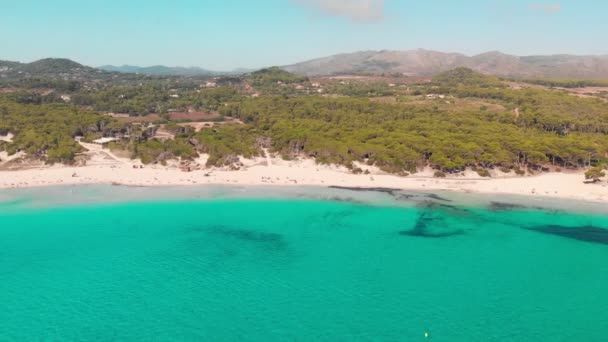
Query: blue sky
(226,34)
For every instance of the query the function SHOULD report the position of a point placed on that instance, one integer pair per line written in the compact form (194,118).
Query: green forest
(47,131)
(499,127)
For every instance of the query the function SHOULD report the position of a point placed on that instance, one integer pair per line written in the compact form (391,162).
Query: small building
(104,141)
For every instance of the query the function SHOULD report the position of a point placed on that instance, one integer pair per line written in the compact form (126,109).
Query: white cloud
(357,10)
(547,8)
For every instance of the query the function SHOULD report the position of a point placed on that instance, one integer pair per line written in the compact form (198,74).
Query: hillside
(46,67)
(426,63)
(63,74)
(8,64)
(56,69)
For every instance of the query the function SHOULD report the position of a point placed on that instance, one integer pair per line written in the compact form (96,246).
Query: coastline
(264,172)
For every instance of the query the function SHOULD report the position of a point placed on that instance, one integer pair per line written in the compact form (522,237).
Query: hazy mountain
(161,70)
(425,62)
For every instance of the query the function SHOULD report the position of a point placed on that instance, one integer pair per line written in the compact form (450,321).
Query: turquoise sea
(104,264)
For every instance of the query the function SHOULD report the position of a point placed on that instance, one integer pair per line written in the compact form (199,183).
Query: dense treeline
(568,83)
(399,138)
(224,144)
(47,131)
(362,90)
(548,110)
(155,98)
(129,100)
(509,128)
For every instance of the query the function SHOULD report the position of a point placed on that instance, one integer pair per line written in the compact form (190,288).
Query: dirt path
(95,148)
(268,159)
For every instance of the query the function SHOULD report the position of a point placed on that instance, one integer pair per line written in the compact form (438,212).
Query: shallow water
(295,269)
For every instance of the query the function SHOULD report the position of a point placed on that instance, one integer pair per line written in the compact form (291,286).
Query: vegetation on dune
(398,138)
(224,144)
(47,131)
(595,173)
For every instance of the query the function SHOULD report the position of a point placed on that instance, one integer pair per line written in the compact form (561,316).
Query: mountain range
(426,63)
(414,62)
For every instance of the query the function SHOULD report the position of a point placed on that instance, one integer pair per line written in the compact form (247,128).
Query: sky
(228,34)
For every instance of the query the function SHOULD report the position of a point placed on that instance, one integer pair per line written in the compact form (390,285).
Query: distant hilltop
(427,63)
(46,66)
(53,67)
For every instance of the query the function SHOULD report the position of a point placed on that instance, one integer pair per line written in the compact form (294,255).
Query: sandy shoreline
(264,171)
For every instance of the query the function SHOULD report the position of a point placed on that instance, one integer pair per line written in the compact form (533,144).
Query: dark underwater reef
(273,240)
(588,233)
(431,226)
(395,193)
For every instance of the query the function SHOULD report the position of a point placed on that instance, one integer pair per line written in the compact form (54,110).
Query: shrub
(483,173)
(439,174)
(594,174)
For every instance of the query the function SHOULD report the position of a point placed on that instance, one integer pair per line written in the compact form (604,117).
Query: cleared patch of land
(193,116)
(142,119)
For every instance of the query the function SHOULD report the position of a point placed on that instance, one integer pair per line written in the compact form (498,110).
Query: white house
(103,141)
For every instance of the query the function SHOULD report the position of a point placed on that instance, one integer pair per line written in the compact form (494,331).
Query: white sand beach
(107,168)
